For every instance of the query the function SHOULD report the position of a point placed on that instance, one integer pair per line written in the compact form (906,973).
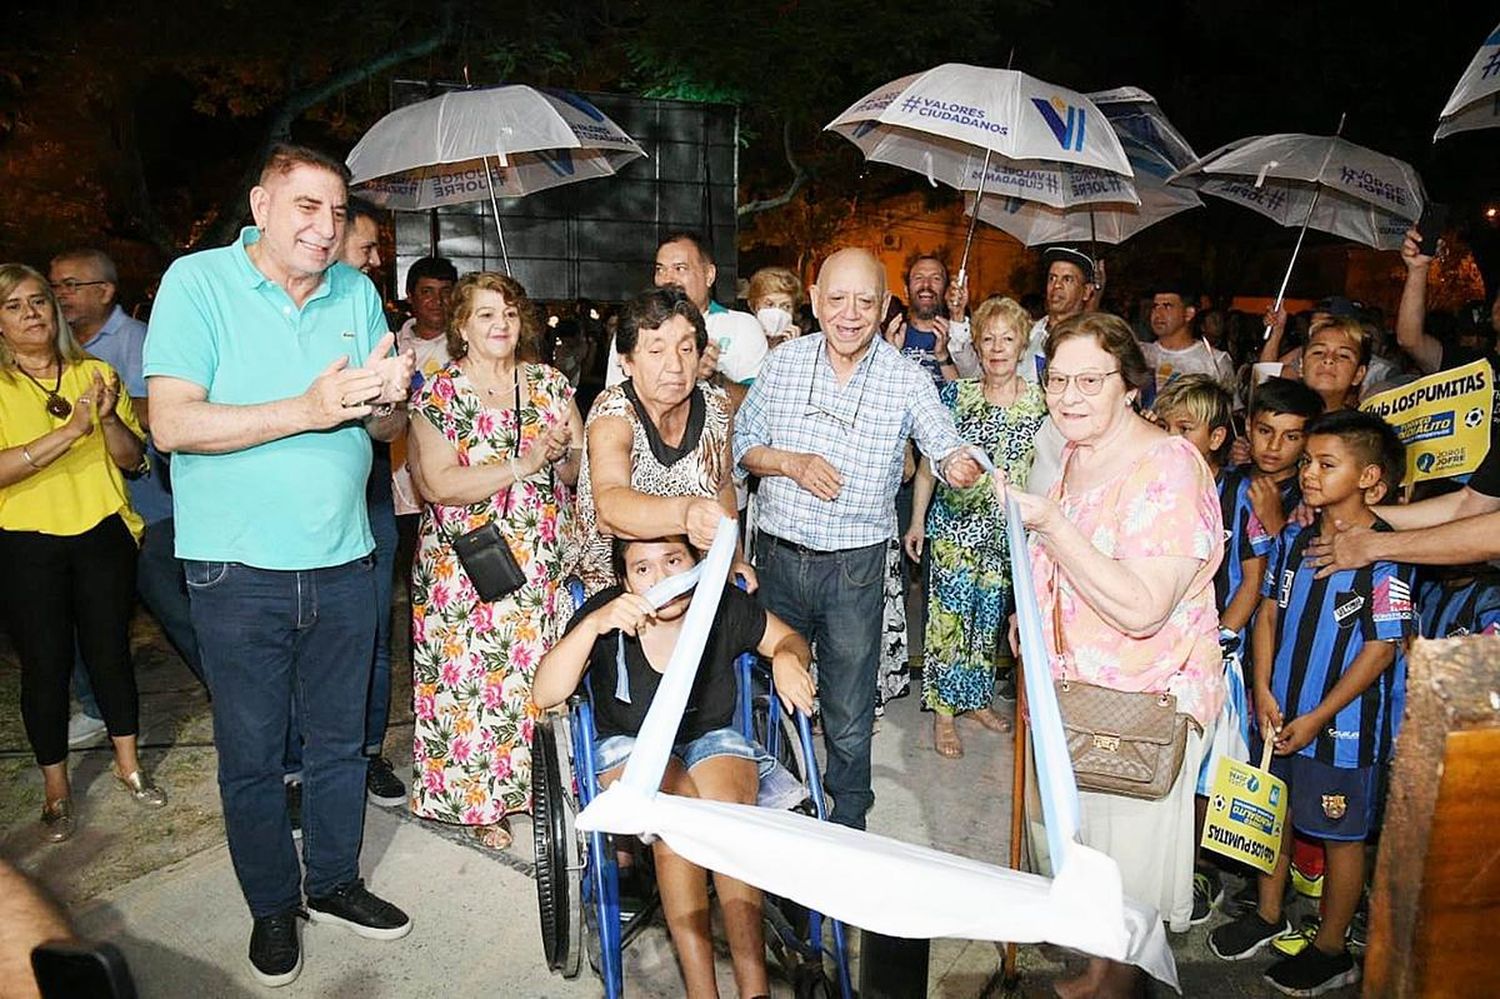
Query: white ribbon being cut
(872,881)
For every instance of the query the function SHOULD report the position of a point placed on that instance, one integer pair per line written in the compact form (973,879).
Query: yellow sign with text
(1246,812)
(1443,419)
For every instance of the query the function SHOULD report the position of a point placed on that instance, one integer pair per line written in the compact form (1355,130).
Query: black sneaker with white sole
(275,951)
(1244,937)
(1208,892)
(1312,973)
(382,786)
(353,907)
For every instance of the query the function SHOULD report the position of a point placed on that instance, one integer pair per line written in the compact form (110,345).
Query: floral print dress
(969,573)
(472,661)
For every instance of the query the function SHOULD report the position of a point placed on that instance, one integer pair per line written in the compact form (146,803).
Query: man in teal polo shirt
(269,369)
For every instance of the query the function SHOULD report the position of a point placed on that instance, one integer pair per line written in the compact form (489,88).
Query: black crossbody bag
(484,553)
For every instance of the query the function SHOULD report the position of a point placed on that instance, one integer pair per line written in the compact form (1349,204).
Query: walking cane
(1008,980)
(1011,978)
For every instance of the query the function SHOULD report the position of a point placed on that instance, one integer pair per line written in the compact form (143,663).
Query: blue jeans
(270,639)
(378,711)
(835,599)
(158,581)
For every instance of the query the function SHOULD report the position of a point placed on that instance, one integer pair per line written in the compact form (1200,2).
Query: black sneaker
(294,806)
(382,786)
(275,952)
(1359,926)
(1312,972)
(1208,891)
(1245,936)
(354,908)
(1005,685)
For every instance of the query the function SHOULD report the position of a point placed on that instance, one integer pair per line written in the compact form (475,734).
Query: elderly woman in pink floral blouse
(1125,547)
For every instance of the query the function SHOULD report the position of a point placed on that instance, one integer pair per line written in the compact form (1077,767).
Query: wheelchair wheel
(558,853)
(789,746)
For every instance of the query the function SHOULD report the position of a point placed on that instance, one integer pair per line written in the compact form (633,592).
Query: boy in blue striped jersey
(1329,688)
(1460,600)
(1199,409)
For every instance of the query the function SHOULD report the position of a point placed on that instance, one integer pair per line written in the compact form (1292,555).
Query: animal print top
(698,467)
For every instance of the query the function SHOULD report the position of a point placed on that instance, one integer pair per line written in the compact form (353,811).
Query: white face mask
(773,320)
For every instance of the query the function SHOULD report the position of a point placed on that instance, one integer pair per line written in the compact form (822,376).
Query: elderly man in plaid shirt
(825,427)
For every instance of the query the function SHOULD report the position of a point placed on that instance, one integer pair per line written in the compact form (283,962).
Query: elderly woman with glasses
(656,447)
(68,535)
(1123,554)
(969,569)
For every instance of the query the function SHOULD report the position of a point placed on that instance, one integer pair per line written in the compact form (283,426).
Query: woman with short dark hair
(656,447)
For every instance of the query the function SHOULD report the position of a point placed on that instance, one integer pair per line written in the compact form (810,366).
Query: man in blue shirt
(825,427)
(253,386)
(86,284)
(922,334)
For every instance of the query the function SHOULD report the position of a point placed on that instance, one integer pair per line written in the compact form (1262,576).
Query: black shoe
(275,952)
(1208,891)
(354,908)
(1005,685)
(1359,926)
(1245,936)
(1312,972)
(382,786)
(294,806)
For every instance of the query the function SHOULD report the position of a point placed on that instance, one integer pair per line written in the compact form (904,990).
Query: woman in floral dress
(492,440)
(969,575)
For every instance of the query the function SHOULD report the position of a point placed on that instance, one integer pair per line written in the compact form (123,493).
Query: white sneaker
(84,731)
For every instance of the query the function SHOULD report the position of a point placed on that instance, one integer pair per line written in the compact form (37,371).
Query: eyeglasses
(814,409)
(1088,382)
(71,285)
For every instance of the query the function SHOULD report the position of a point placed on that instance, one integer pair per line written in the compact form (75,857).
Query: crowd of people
(265,461)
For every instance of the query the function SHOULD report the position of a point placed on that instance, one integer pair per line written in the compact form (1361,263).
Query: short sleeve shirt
(1166,506)
(81,487)
(739,627)
(293,503)
(121,342)
(1322,626)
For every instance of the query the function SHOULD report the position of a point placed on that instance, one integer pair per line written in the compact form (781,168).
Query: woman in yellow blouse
(67,535)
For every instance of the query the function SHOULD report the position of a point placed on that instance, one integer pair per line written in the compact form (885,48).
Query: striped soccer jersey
(1321,627)
(1449,610)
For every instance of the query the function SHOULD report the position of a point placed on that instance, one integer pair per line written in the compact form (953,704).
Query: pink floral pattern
(1166,506)
(473,662)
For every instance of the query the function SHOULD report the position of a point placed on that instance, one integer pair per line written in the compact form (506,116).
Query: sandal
(988,718)
(945,737)
(493,837)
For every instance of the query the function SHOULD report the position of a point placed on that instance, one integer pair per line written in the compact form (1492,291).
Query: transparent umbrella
(492,143)
(991,131)
(1475,102)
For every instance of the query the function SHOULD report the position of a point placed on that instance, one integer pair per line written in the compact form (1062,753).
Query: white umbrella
(1476,100)
(991,131)
(1155,150)
(1318,181)
(499,142)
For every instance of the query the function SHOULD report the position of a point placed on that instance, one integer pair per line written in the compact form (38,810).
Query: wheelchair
(578,876)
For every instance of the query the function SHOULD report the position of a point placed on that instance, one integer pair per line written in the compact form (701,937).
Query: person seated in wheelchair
(710,758)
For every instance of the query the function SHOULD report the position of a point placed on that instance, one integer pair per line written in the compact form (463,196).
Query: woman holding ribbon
(1123,554)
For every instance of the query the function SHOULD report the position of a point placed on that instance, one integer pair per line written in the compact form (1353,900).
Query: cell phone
(76,969)
(1430,226)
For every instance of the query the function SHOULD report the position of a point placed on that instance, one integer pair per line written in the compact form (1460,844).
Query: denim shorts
(614,750)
